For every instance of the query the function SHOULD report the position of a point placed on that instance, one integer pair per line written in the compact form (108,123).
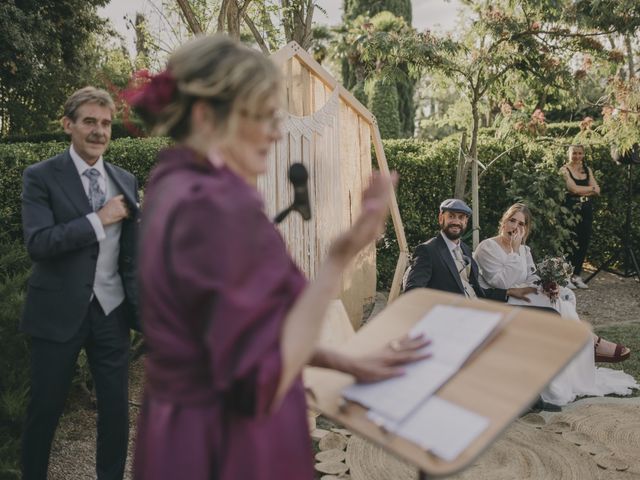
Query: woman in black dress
(581,186)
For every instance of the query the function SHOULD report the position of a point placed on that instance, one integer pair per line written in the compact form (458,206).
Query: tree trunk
(298,21)
(630,63)
(473,153)
(462,170)
(189,16)
(142,51)
(233,20)
(256,34)
(222,15)
(267,26)
(230,17)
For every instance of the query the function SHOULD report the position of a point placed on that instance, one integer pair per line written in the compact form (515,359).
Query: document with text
(398,403)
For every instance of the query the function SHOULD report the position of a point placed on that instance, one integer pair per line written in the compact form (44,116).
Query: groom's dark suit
(432,266)
(63,316)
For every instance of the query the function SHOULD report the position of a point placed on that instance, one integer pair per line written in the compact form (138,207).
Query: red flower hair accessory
(150,92)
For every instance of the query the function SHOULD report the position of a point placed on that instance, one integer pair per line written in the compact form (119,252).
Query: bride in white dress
(505,262)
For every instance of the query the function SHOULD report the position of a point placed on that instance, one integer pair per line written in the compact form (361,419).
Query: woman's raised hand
(516,239)
(370,223)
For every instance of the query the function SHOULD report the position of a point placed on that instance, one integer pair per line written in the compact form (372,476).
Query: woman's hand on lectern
(387,362)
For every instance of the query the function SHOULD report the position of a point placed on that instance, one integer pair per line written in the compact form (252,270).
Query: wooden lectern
(499,382)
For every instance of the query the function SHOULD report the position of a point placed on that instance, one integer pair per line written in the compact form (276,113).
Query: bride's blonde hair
(511,211)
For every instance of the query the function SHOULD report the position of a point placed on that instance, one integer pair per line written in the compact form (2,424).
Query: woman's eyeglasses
(273,119)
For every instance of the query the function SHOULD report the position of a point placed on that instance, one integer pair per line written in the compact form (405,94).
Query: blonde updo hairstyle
(234,79)
(511,211)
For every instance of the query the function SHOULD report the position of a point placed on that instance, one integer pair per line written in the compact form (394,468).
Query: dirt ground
(610,300)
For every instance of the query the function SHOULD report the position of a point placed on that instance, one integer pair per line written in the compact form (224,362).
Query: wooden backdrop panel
(331,138)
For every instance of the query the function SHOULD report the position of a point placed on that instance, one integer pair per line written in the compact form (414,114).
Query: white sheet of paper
(397,397)
(439,426)
(455,333)
(443,428)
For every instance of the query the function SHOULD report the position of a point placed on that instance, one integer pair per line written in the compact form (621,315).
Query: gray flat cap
(455,205)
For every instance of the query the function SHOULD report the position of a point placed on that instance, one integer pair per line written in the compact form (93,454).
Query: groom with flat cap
(445,262)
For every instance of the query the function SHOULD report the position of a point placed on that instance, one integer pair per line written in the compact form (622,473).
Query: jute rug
(599,441)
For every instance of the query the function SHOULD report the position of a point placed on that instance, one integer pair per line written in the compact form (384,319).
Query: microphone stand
(298,176)
(630,265)
(283,214)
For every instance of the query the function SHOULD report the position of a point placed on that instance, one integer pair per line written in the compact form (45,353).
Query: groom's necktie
(96,195)
(463,270)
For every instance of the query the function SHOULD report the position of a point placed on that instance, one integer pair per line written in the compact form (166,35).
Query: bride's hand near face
(516,238)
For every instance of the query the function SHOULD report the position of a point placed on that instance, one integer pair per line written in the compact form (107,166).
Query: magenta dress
(216,285)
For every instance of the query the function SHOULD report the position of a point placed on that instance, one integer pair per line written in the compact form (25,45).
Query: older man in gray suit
(79,218)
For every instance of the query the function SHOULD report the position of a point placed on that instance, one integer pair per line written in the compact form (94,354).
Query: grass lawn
(628,335)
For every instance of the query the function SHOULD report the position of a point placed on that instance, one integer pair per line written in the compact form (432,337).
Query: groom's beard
(451,232)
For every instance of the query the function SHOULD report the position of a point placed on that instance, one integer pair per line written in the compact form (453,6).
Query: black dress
(582,230)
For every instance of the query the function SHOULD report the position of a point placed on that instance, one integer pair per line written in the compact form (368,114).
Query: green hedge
(118,130)
(134,155)
(529,174)
(554,130)
(14,361)
(427,172)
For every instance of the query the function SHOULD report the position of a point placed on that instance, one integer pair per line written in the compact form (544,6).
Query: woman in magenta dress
(229,320)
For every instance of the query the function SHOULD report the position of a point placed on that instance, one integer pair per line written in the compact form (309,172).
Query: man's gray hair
(87,95)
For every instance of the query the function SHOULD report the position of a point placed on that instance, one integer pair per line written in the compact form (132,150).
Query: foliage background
(527,172)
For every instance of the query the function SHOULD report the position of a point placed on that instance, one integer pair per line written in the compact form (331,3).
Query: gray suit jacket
(64,249)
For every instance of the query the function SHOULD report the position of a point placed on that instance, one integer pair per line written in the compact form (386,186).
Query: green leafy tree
(383,101)
(404,85)
(356,8)
(503,41)
(251,19)
(621,125)
(369,48)
(43,57)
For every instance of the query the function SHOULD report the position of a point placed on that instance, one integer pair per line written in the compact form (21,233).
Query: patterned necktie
(96,195)
(463,271)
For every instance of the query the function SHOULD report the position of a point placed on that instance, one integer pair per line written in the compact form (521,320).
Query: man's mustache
(97,138)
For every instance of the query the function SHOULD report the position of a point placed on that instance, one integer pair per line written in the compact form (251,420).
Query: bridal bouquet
(554,272)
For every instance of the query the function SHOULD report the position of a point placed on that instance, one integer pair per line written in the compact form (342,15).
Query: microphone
(298,177)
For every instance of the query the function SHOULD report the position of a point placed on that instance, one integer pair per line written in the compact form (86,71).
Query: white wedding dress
(499,269)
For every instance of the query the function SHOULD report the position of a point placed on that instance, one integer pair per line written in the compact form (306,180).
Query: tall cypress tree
(404,87)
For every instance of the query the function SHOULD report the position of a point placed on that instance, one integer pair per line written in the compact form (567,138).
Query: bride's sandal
(620,354)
